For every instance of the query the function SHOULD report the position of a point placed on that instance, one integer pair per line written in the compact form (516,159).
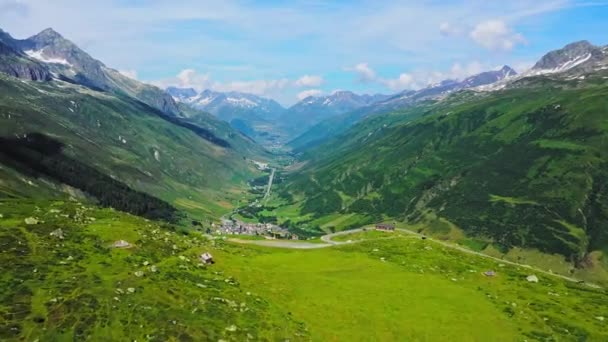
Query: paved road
(283,244)
(328,242)
(269,184)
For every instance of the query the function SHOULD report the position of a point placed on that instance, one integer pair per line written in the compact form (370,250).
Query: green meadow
(386,286)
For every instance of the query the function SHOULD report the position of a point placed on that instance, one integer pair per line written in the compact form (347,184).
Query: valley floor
(63,280)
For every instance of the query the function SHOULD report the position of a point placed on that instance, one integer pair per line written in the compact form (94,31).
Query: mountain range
(520,162)
(71,126)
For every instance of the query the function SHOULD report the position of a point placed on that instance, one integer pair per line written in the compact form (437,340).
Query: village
(265,230)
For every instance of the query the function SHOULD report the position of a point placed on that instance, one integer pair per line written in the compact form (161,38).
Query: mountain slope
(252,115)
(315,109)
(66,60)
(340,123)
(195,167)
(520,167)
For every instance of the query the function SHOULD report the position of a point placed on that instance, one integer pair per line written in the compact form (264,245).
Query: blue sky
(288,49)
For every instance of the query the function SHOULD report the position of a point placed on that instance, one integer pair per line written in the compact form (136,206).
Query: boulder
(57,233)
(121,244)
(31,220)
(532,278)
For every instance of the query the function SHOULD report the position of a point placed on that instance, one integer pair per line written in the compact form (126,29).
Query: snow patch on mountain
(563,67)
(38,55)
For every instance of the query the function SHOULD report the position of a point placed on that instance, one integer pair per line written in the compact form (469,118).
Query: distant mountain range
(512,164)
(66,119)
(262,118)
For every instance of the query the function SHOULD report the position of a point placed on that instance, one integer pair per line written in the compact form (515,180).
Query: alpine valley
(471,209)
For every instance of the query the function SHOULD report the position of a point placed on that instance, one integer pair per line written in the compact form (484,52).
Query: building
(386,227)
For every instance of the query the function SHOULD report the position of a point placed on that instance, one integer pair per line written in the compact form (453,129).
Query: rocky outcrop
(15,64)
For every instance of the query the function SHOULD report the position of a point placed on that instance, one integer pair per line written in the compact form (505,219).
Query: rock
(532,278)
(58,233)
(131,290)
(139,274)
(31,220)
(121,244)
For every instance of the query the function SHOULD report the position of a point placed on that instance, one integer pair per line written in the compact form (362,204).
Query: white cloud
(309,81)
(423,78)
(404,81)
(190,78)
(257,87)
(496,35)
(129,73)
(366,74)
(306,93)
(448,29)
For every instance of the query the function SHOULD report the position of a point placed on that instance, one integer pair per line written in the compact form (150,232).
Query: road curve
(328,242)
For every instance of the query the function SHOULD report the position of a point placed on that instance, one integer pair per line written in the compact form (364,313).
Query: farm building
(387,227)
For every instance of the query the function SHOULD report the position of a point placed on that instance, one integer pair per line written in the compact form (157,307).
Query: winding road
(328,242)
(270,179)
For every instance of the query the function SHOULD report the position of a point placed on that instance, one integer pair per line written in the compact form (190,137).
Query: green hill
(523,167)
(200,167)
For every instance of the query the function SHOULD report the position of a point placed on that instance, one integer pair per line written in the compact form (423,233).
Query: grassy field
(396,288)
(409,289)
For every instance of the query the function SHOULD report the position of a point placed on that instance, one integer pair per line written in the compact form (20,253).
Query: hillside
(335,125)
(521,167)
(198,167)
(252,115)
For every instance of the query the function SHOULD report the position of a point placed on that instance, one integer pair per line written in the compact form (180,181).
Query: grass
(395,288)
(410,289)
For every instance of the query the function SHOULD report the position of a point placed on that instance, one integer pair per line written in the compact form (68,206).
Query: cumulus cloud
(129,73)
(309,81)
(404,81)
(306,93)
(190,78)
(366,74)
(422,78)
(496,35)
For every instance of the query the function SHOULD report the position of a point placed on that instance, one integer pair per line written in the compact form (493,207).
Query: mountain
(252,115)
(570,56)
(235,105)
(87,137)
(181,94)
(315,109)
(66,60)
(519,169)
(340,123)
(15,63)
